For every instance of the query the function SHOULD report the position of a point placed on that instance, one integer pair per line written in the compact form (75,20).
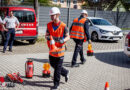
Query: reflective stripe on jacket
(57,35)
(77,30)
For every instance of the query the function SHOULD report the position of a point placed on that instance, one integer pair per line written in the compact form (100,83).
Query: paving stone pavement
(41,47)
(109,63)
(106,65)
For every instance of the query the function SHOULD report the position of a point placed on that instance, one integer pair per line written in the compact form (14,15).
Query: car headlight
(103,31)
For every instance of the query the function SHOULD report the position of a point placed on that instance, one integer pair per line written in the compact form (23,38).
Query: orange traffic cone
(53,48)
(106,86)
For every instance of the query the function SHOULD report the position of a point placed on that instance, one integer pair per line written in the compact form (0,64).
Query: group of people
(60,33)
(10,25)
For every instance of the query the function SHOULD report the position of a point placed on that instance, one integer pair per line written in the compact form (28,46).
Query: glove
(61,41)
(89,41)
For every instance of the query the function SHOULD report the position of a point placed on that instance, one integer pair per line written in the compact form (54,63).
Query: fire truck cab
(28,29)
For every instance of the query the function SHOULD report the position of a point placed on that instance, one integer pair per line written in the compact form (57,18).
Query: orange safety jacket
(57,35)
(77,31)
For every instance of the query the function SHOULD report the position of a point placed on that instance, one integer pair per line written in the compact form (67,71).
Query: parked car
(28,29)
(127,45)
(101,29)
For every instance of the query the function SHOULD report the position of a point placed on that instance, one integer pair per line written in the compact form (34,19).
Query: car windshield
(100,22)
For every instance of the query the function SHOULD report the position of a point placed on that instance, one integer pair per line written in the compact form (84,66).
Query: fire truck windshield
(24,16)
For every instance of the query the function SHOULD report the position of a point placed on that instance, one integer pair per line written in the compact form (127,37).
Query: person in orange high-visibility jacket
(57,31)
(79,33)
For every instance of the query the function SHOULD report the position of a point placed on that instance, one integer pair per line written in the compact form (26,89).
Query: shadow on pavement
(39,60)
(39,76)
(38,83)
(114,58)
(126,89)
(20,43)
(104,41)
(67,64)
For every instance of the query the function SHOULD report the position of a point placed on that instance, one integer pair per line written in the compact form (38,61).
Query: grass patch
(41,39)
(125,28)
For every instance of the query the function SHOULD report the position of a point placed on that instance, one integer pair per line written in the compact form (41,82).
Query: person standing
(58,30)
(79,32)
(12,24)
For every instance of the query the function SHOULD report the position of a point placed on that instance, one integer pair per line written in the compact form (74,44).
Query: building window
(74,1)
(61,1)
(55,1)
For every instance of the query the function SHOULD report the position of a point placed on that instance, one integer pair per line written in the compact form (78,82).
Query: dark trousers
(10,35)
(56,63)
(78,49)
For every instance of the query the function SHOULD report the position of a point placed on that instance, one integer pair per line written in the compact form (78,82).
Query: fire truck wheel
(33,41)
(1,39)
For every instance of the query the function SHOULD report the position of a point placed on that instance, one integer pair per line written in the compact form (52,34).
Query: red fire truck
(28,29)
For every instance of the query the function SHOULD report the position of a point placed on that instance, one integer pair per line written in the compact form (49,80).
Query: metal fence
(120,19)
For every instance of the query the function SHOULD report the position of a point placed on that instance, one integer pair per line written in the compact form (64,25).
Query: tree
(45,2)
(41,2)
(109,4)
(12,2)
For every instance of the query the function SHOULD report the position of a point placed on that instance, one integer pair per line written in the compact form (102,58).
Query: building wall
(64,5)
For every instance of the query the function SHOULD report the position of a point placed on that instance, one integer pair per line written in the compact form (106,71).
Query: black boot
(83,61)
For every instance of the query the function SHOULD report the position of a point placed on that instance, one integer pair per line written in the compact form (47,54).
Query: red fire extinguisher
(29,67)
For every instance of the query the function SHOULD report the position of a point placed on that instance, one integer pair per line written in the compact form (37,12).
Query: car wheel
(94,36)
(32,41)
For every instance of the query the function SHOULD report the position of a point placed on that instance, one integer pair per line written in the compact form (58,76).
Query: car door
(91,28)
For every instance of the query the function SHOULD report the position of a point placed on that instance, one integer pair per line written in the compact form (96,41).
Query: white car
(127,45)
(101,29)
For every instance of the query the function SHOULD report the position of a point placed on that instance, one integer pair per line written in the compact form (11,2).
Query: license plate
(115,38)
(19,32)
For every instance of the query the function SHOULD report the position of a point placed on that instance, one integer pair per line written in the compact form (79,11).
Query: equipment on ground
(89,51)
(46,72)
(14,77)
(29,69)
(2,81)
